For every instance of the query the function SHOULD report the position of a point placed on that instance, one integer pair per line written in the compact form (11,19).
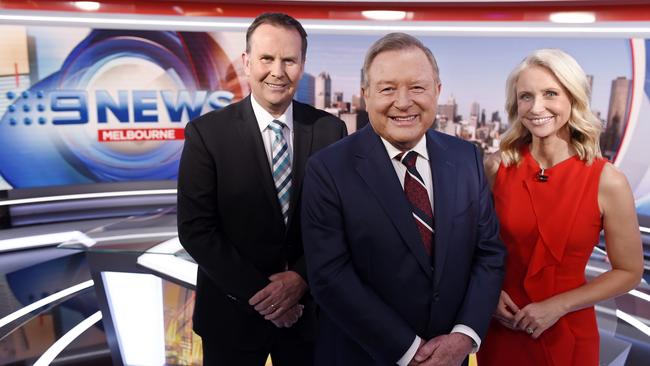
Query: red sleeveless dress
(550,229)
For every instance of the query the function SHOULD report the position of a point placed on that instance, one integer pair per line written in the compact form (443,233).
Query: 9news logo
(135,115)
(116,107)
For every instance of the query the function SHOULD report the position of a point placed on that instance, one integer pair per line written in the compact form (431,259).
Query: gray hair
(396,42)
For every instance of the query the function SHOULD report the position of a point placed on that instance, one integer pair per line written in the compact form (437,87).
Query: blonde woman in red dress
(554,193)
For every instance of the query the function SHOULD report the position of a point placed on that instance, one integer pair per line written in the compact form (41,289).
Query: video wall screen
(83,105)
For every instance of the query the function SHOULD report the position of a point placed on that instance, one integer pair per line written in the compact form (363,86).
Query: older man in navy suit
(401,239)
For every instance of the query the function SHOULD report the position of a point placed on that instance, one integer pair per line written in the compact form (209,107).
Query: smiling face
(401,96)
(543,104)
(274,66)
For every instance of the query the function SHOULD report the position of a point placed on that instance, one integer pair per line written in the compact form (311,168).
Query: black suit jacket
(368,269)
(229,218)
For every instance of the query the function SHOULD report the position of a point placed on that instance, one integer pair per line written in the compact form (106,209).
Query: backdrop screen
(82,105)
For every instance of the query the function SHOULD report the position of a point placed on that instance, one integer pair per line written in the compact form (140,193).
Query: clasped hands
(278,301)
(447,349)
(533,318)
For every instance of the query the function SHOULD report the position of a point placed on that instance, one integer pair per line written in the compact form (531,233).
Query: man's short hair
(396,42)
(279,20)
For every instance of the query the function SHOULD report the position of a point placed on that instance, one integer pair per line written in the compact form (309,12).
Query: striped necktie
(416,193)
(281,166)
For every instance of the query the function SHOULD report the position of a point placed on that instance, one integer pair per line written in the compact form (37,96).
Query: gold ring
(530,330)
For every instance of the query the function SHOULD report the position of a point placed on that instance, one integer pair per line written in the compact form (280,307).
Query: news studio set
(95,96)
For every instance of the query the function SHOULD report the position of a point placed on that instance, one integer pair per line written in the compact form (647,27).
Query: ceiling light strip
(482,29)
(204,23)
(44,301)
(640,295)
(35,241)
(149,192)
(573,17)
(599,250)
(58,346)
(636,323)
(136,236)
(124,21)
(88,242)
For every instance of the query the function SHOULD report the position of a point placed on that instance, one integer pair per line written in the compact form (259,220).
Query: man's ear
(245,59)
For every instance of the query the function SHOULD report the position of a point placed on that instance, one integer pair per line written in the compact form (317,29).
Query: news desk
(144,282)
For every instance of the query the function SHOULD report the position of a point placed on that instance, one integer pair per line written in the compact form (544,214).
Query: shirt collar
(264,117)
(420,148)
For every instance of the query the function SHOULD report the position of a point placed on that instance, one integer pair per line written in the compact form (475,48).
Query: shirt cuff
(410,353)
(476,340)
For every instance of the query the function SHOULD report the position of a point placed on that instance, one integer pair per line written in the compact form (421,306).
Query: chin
(543,135)
(406,143)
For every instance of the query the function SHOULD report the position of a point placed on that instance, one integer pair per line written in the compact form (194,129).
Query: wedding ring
(272,306)
(530,330)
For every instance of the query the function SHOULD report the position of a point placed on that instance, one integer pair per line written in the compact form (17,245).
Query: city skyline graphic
(474,69)
(473,73)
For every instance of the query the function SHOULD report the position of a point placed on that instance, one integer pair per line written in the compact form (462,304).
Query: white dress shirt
(264,118)
(423,167)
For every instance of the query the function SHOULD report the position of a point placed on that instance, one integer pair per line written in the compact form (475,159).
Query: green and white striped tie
(281,165)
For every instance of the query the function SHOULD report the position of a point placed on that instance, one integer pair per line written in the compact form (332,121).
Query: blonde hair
(584,126)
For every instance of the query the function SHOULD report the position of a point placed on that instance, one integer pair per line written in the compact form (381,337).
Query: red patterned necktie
(416,193)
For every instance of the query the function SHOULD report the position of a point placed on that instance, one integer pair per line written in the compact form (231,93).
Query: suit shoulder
(218,117)
(317,115)
(453,142)
(449,139)
(309,109)
(343,149)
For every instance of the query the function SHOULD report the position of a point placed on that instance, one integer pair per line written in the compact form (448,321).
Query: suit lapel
(302,142)
(250,133)
(443,174)
(376,169)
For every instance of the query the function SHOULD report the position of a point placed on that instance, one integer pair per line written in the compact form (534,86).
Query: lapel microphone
(541,177)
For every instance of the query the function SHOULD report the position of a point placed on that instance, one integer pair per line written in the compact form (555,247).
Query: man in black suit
(239,189)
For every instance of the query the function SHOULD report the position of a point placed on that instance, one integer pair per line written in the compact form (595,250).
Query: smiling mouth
(403,119)
(275,86)
(540,120)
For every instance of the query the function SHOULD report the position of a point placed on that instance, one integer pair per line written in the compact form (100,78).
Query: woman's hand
(537,317)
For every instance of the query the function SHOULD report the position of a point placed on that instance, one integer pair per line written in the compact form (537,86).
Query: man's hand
(282,294)
(506,310)
(413,361)
(448,349)
(290,317)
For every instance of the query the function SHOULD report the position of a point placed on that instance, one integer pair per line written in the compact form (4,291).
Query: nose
(538,105)
(277,69)
(402,99)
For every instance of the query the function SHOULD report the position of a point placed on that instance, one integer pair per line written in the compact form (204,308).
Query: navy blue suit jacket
(367,269)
